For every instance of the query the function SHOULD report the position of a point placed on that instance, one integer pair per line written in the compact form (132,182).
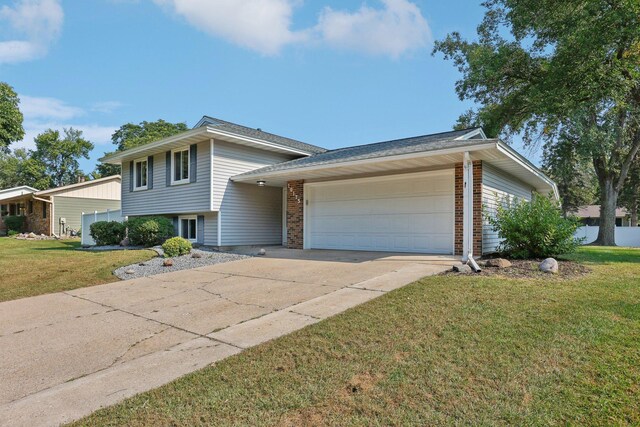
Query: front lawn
(30,268)
(444,350)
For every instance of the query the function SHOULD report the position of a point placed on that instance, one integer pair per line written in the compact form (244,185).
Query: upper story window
(180,166)
(140,174)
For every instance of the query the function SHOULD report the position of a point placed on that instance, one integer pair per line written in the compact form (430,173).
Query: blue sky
(326,72)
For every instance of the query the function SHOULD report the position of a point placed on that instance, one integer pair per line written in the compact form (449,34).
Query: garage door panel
(412,214)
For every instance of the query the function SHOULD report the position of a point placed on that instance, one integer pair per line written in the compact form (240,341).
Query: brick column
(295,214)
(477,208)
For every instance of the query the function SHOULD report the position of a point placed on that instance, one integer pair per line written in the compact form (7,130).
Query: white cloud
(35,23)
(266,25)
(394,30)
(35,108)
(106,106)
(260,25)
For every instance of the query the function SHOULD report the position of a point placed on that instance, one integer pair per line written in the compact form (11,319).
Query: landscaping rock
(125,242)
(32,235)
(168,263)
(462,268)
(498,263)
(130,272)
(262,252)
(549,265)
(196,255)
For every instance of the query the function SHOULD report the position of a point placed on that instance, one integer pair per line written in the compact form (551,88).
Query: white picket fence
(625,236)
(90,218)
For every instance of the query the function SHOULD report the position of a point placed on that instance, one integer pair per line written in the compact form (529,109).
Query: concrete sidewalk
(65,355)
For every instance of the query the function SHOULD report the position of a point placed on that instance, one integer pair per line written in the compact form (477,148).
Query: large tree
(573,174)
(543,67)
(132,135)
(58,155)
(630,194)
(11,118)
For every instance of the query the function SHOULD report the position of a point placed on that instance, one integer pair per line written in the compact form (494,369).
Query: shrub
(176,246)
(14,223)
(534,229)
(12,233)
(107,232)
(149,230)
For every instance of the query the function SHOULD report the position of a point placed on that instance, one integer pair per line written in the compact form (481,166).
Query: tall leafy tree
(573,174)
(58,155)
(544,67)
(132,135)
(11,118)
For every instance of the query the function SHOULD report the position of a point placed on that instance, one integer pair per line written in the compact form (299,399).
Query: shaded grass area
(444,350)
(32,268)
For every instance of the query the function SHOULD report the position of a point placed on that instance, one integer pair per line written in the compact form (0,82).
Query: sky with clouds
(330,73)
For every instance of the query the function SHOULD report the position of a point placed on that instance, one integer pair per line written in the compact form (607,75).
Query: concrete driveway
(64,355)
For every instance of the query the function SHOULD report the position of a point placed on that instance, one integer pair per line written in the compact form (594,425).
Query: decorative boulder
(168,263)
(549,265)
(125,242)
(130,271)
(498,263)
(462,268)
(196,255)
(32,235)
(262,252)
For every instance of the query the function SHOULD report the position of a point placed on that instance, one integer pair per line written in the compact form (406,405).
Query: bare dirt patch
(528,269)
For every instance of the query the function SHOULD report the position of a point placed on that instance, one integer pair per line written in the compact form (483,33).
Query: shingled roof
(437,141)
(258,134)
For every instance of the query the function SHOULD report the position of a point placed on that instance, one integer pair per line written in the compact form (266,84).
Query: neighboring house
(58,210)
(229,185)
(590,215)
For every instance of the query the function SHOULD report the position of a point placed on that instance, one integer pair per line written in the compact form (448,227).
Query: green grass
(32,268)
(444,350)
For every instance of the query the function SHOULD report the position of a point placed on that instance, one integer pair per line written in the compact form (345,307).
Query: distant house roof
(258,134)
(90,183)
(9,193)
(432,142)
(593,211)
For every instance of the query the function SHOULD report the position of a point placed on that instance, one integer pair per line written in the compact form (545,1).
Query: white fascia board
(473,133)
(417,155)
(515,156)
(257,141)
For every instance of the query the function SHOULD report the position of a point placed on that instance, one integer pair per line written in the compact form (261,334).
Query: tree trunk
(608,205)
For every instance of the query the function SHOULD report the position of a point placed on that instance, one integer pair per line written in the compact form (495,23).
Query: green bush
(107,233)
(176,246)
(12,233)
(14,223)
(150,230)
(534,229)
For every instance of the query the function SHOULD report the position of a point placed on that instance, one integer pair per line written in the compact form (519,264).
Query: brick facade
(35,221)
(295,214)
(477,208)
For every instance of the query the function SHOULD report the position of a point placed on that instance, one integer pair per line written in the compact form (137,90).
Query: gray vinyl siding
(251,215)
(498,187)
(71,209)
(211,229)
(163,199)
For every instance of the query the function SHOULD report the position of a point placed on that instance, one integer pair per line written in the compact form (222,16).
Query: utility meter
(63,220)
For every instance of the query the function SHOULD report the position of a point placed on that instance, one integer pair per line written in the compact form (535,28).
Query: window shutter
(193,166)
(150,172)
(130,176)
(168,168)
(200,230)
(175,225)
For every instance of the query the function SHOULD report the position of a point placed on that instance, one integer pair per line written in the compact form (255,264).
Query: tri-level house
(229,185)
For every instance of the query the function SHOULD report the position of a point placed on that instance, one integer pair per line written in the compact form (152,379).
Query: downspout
(467,214)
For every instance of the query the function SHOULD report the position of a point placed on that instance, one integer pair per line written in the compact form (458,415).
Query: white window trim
(173,166)
(189,217)
(135,174)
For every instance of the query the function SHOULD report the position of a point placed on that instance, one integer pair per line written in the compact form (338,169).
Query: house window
(30,207)
(140,174)
(188,228)
(44,210)
(180,166)
(4,210)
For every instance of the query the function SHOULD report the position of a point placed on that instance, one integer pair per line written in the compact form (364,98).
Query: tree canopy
(542,68)
(11,118)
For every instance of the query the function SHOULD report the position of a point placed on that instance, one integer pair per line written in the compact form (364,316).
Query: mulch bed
(528,269)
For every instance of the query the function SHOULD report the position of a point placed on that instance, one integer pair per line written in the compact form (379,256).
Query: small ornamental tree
(535,229)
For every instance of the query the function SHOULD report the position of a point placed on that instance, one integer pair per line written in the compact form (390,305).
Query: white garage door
(410,213)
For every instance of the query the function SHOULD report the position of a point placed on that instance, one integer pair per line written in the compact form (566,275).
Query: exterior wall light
(262,183)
